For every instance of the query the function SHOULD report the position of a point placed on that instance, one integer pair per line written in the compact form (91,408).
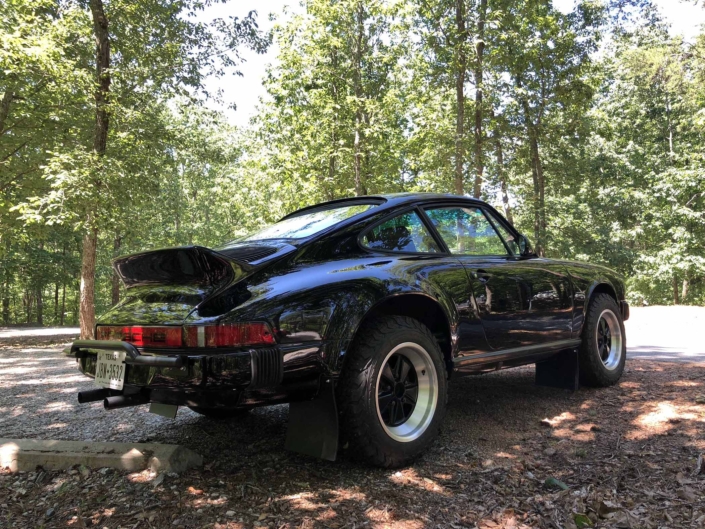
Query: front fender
(588,279)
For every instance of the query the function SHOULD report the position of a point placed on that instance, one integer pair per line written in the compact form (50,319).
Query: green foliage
(592,128)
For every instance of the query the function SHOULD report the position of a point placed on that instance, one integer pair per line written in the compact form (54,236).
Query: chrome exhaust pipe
(92,395)
(124,401)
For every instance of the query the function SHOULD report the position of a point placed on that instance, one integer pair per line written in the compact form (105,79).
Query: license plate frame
(110,369)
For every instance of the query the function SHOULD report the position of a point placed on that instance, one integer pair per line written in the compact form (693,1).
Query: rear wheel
(392,392)
(603,352)
(220,414)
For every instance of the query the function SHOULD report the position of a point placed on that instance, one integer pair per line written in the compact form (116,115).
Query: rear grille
(249,253)
(267,367)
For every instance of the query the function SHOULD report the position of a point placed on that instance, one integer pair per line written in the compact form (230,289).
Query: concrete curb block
(27,454)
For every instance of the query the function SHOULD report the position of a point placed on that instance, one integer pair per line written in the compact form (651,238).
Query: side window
(466,231)
(404,233)
(507,236)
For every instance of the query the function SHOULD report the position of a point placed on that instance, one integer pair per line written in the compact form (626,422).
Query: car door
(522,303)
(421,256)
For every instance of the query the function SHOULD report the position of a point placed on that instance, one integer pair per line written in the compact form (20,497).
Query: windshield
(307,224)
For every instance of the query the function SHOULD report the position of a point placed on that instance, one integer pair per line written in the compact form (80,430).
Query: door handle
(482,276)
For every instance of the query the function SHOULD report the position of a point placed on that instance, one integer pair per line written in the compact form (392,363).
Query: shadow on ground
(627,454)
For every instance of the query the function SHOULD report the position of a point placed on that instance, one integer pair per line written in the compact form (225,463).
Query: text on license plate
(110,369)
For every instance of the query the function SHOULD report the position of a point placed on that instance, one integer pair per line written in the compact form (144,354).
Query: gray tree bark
(100,140)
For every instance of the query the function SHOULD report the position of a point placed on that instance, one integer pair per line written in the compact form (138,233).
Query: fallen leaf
(158,480)
(607,509)
(686,494)
(700,465)
(554,483)
(582,521)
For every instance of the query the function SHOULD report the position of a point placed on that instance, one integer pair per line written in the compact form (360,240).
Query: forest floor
(627,456)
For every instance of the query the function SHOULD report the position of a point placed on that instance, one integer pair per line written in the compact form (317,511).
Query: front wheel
(392,392)
(603,352)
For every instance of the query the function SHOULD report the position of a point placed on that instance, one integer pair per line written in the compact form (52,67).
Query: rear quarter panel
(326,302)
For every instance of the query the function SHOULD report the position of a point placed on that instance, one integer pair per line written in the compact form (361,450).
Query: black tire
(220,414)
(602,361)
(412,355)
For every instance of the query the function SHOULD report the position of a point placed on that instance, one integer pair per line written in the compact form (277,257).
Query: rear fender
(329,302)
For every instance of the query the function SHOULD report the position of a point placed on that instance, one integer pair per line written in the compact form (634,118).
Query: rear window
(308,224)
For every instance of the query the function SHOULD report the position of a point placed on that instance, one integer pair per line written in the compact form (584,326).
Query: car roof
(385,201)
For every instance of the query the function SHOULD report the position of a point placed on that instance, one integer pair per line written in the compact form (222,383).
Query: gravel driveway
(627,453)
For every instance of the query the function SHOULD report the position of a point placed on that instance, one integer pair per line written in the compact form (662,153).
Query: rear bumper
(624,309)
(189,379)
(215,378)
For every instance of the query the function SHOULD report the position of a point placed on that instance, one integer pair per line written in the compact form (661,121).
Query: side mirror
(525,248)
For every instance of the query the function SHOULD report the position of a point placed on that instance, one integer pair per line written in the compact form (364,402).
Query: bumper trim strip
(133,355)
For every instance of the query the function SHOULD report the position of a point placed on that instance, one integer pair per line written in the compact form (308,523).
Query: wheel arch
(601,288)
(421,307)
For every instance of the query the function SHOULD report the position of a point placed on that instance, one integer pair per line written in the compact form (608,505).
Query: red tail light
(226,335)
(229,335)
(142,336)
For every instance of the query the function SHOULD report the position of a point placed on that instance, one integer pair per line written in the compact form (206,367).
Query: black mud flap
(313,425)
(559,371)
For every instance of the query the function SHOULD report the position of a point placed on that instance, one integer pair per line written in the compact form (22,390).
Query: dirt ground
(627,456)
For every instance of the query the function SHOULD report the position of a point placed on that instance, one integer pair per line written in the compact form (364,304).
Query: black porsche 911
(356,312)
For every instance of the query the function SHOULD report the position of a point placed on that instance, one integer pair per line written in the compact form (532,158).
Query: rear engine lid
(188,265)
(255,253)
(178,285)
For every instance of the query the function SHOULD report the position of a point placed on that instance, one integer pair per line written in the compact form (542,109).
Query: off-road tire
(593,371)
(220,414)
(361,425)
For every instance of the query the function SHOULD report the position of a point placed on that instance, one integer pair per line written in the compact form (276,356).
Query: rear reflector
(229,335)
(225,335)
(142,336)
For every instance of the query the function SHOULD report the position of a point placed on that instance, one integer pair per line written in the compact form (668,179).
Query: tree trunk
(461,67)
(671,153)
(115,289)
(87,290)
(7,98)
(535,169)
(100,140)
(6,285)
(40,296)
(40,306)
(503,179)
(63,304)
(76,305)
(537,176)
(28,306)
(684,290)
(102,61)
(479,49)
(6,306)
(676,301)
(56,302)
(357,86)
(329,186)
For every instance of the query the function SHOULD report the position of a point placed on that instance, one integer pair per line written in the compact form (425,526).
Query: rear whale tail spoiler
(186,265)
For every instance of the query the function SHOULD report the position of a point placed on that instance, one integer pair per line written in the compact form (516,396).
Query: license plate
(110,370)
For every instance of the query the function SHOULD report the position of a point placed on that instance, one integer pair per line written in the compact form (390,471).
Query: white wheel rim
(609,339)
(424,409)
